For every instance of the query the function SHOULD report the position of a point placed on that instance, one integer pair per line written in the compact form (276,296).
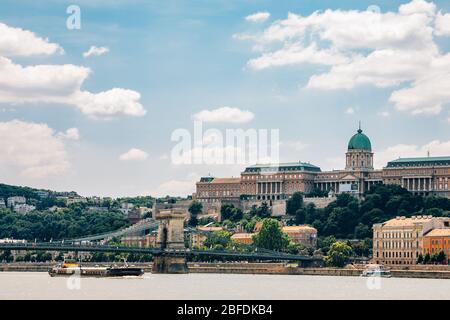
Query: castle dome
(359,141)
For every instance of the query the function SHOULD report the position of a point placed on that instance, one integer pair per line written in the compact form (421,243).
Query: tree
(362,231)
(194,209)
(420,259)
(263,210)
(294,203)
(440,258)
(215,238)
(325,243)
(300,216)
(426,258)
(229,212)
(338,254)
(270,236)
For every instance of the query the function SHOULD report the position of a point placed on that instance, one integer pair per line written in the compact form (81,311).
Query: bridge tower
(170,240)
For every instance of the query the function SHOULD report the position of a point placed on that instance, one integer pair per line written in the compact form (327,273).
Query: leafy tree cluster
(338,254)
(350,218)
(229,212)
(68,223)
(194,209)
(10,191)
(434,258)
(140,201)
(271,236)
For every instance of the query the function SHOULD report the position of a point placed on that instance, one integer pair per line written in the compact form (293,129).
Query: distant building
(134,216)
(437,240)
(148,240)
(12,201)
(97,208)
(42,194)
(210,229)
(304,234)
(262,182)
(243,238)
(143,210)
(198,239)
(73,200)
(212,190)
(55,209)
(2,203)
(126,207)
(23,208)
(400,241)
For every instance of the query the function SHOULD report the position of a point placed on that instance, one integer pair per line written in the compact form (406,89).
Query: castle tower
(170,240)
(359,156)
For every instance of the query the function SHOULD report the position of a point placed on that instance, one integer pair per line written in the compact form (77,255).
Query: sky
(99,102)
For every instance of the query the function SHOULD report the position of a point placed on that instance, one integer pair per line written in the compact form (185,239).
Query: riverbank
(431,272)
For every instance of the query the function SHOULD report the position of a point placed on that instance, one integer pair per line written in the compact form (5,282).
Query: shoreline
(425,272)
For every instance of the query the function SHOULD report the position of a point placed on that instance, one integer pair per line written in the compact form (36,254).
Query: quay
(430,272)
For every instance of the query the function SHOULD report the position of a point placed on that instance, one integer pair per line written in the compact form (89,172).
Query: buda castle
(423,175)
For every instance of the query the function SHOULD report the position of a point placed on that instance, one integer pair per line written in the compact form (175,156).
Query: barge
(73,268)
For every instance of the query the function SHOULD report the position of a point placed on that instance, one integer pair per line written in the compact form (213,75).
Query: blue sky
(183,57)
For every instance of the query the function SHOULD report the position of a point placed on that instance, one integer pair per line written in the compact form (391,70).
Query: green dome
(359,141)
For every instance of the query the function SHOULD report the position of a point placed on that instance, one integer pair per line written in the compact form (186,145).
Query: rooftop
(404,221)
(220,180)
(419,161)
(439,233)
(299,228)
(242,235)
(288,166)
(359,141)
(210,229)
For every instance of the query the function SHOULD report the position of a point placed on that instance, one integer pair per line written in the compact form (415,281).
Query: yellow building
(198,239)
(304,234)
(437,240)
(399,241)
(243,238)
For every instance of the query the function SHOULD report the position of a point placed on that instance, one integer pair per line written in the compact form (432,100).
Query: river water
(39,285)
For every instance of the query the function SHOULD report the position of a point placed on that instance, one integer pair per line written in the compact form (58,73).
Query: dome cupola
(359,141)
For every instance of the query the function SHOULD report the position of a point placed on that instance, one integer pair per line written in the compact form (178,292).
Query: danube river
(39,285)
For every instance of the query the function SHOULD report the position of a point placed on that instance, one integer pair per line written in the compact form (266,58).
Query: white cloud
(296,54)
(95,51)
(175,188)
(388,50)
(33,149)
(384,114)
(70,134)
(258,17)
(429,92)
(19,42)
(107,104)
(60,84)
(224,115)
(382,68)
(435,148)
(293,145)
(350,111)
(442,24)
(134,154)
(418,6)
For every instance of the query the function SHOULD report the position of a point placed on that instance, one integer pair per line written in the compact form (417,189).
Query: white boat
(376,270)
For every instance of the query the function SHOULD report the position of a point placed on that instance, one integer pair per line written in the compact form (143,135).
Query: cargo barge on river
(73,268)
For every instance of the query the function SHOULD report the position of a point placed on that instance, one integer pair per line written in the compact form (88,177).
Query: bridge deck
(56,246)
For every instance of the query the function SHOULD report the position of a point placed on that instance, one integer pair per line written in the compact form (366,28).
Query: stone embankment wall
(434,272)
